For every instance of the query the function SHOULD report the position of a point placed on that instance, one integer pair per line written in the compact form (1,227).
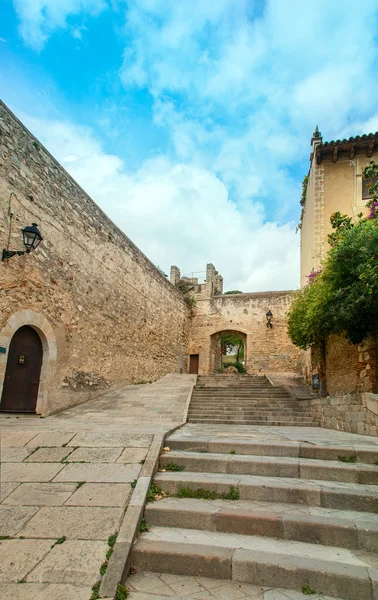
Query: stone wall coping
(107,219)
(256,294)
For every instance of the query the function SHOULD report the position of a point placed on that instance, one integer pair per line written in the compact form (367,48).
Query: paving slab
(74,522)
(49,454)
(18,557)
(12,519)
(95,455)
(100,494)
(41,494)
(6,489)
(100,473)
(10,454)
(16,438)
(43,591)
(75,562)
(52,438)
(112,439)
(132,455)
(25,472)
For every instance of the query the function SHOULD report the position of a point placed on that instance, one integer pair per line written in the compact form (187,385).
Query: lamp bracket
(10,253)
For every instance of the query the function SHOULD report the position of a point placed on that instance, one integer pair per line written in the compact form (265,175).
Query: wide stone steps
(272,466)
(330,527)
(281,516)
(257,560)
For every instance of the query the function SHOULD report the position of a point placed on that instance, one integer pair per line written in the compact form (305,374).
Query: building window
(366,185)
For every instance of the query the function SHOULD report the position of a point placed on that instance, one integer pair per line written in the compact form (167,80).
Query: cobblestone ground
(65,482)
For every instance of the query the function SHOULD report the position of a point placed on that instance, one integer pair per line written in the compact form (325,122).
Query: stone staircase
(245,399)
(287,515)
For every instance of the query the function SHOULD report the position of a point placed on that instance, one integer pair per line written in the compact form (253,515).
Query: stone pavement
(65,483)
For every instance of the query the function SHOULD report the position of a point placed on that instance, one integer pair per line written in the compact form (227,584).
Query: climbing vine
(303,200)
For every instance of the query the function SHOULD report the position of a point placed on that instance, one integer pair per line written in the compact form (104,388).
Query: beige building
(266,349)
(335,183)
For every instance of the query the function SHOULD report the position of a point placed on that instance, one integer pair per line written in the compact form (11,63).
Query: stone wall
(354,413)
(114,317)
(348,368)
(267,349)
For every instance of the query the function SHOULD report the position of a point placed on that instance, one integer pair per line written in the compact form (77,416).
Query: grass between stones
(60,540)
(348,459)
(185,492)
(121,593)
(154,493)
(308,590)
(143,526)
(173,467)
(96,588)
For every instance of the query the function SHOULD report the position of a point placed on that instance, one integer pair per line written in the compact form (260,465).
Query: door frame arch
(49,349)
(215,339)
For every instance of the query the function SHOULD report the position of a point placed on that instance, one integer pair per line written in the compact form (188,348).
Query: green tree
(233,292)
(230,341)
(344,296)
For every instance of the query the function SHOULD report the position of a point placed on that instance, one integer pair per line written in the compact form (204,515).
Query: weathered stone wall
(354,413)
(348,368)
(115,317)
(267,349)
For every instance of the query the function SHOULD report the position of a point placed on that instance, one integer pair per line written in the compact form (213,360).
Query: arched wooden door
(22,375)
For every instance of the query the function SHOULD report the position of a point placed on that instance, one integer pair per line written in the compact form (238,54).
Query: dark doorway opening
(193,364)
(23,372)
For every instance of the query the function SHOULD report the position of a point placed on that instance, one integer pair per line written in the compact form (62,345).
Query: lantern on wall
(31,235)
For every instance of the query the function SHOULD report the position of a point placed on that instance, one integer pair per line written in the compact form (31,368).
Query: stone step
(240,393)
(286,564)
(196,588)
(272,466)
(327,494)
(282,423)
(247,410)
(266,416)
(237,398)
(328,527)
(245,401)
(362,453)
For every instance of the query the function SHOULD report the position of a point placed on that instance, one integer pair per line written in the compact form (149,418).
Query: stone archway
(46,333)
(216,352)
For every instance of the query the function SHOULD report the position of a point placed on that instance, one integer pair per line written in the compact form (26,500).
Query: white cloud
(237,89)
(178,213)
(39,18)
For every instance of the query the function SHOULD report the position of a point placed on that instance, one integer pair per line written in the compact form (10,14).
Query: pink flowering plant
(311,276)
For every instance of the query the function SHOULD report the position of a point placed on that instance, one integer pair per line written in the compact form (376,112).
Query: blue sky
(189,122)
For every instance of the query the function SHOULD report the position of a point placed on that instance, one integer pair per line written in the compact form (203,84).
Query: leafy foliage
(185,288)
(229,341)
(344,296)
(233,292)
